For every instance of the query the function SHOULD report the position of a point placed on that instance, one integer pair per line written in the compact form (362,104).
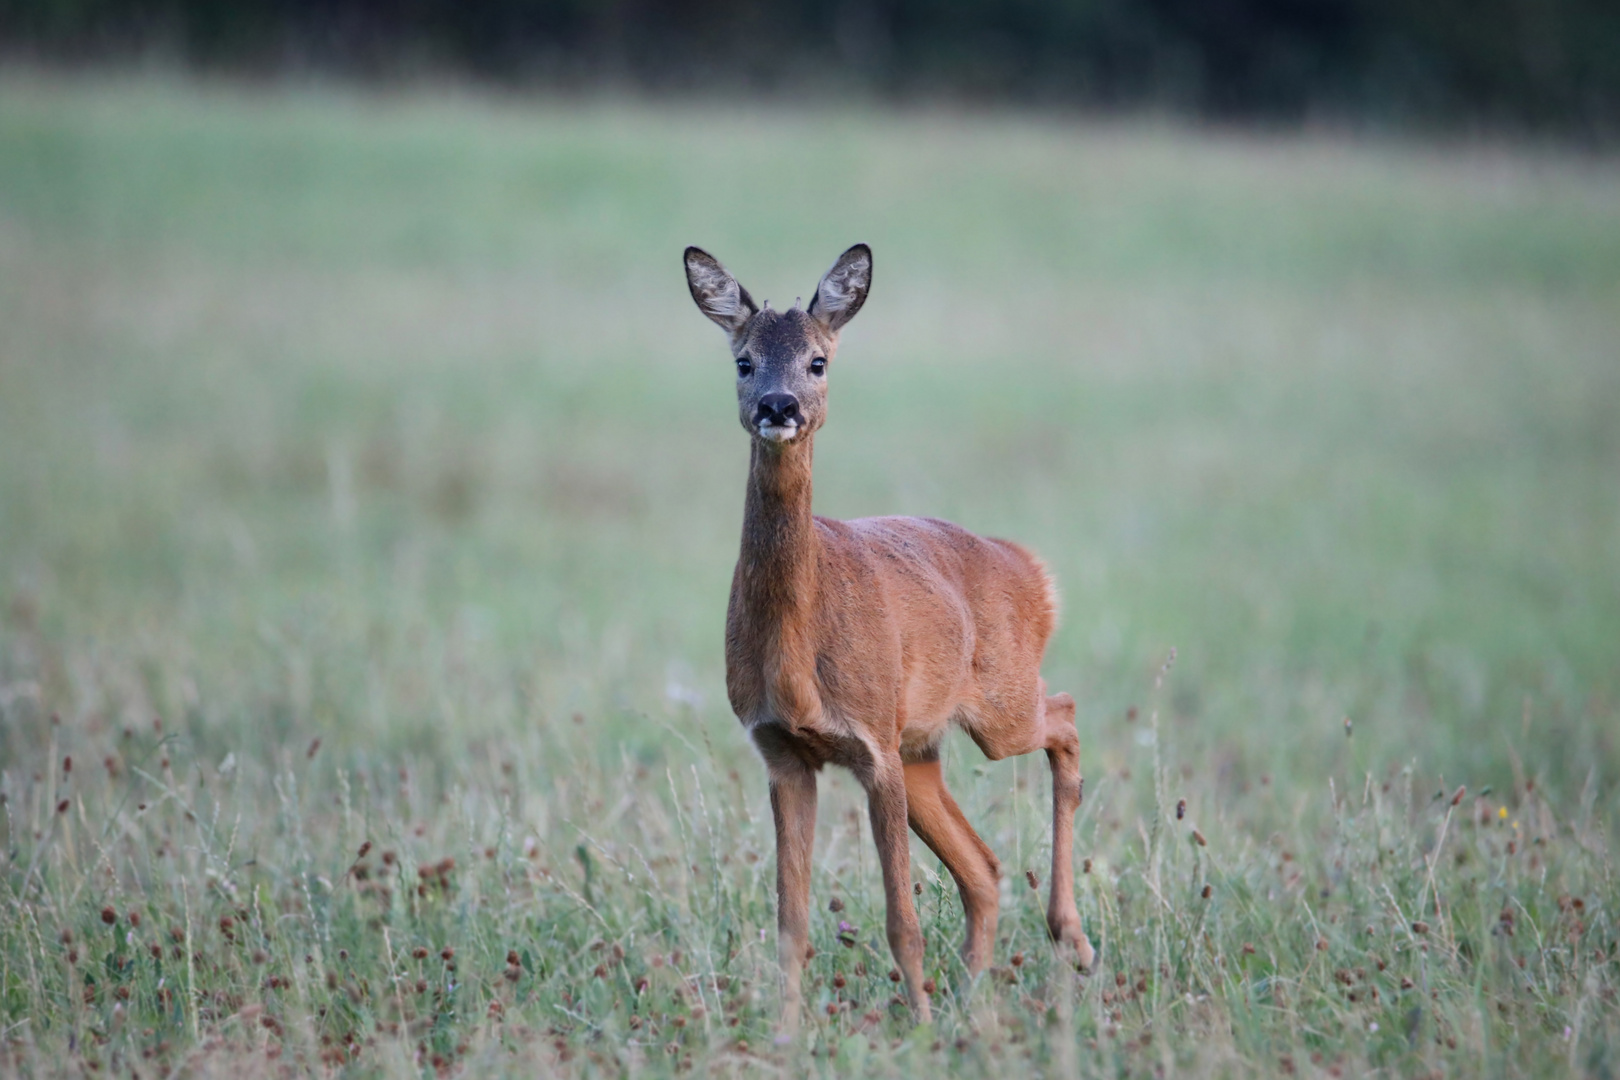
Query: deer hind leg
(1062,745)
(939,822)
(886,802)
(793,804)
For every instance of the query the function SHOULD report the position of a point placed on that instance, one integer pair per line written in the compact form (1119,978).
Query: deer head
(782,357)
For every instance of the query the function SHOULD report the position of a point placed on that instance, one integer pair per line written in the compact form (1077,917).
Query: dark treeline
(1532,63)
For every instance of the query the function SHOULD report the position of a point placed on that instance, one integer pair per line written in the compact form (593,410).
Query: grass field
(369,490)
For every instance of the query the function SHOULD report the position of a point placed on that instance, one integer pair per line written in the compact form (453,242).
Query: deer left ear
(843,289)
(717,293)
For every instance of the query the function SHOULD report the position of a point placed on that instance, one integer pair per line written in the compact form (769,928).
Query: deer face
(782,357)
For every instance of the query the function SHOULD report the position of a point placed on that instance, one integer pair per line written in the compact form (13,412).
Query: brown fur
(858,643)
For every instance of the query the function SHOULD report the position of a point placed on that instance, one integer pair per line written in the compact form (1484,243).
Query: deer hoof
(1066,932)
(1085,955)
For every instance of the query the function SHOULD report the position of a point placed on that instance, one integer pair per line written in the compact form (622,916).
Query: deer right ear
(717,293)
(843,289)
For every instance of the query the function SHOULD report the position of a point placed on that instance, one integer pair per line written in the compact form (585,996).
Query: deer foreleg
(793,804)
(886,798)
(937,819)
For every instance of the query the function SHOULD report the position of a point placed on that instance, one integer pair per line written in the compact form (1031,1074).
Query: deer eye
(745,366)
(818,366)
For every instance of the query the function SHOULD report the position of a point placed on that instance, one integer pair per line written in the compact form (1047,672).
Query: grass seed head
(108,915)
(1181,809)
(835,905)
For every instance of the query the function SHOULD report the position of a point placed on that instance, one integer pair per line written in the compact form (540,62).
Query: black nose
(778,408)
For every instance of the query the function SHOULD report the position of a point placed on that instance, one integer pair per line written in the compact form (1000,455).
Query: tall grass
(368,496)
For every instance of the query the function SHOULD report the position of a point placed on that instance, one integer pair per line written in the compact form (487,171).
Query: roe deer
(859,642)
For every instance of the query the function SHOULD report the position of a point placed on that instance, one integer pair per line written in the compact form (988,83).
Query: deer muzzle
(777,417)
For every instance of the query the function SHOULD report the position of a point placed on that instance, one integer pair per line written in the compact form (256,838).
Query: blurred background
(349,385)
(1505,62)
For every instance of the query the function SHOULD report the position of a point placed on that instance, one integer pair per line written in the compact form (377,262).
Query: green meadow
(369,493)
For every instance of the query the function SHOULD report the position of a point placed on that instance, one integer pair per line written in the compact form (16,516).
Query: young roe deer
(859,642)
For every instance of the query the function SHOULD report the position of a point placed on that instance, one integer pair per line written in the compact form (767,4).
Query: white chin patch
(778,432)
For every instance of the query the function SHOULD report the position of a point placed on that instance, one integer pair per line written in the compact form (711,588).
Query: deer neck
(770,656)
(777,566)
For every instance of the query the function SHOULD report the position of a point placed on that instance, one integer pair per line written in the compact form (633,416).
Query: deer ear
(717,293)
(843,288)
